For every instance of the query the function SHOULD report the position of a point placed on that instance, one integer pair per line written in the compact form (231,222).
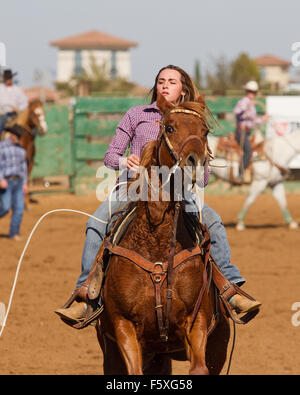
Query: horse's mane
(148,153)
(202,110)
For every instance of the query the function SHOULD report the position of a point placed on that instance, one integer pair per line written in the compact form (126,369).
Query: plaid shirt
(12,160)
(246,115)
(138,126)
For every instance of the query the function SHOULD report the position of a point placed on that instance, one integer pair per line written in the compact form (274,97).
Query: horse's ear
(201,100)
(163,104)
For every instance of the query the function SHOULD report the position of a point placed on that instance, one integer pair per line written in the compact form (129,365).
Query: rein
(170,273)
(161,271)
(174,155)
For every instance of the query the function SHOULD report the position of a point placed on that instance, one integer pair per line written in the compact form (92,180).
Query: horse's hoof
(240,226)
(293,225)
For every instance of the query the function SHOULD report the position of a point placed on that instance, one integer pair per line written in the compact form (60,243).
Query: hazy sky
(168,31)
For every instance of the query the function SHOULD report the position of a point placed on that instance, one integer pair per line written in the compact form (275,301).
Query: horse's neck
(157,218)
(23,118)
(158,213)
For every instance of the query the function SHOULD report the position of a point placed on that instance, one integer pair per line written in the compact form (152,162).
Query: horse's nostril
(191,161)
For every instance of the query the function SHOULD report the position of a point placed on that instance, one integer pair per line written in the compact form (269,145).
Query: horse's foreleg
(279,195)
(196,341)
(113,363)
(256,188)
(129,346)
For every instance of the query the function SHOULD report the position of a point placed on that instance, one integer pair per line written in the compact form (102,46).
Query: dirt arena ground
(35,341)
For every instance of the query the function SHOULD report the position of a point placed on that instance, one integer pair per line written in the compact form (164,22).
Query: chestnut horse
(144,326)
(33,121)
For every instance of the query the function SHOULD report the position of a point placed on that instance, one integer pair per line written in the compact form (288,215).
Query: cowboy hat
(8,75)
(251,86)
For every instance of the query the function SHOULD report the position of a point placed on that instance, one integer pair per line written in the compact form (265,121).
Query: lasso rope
(25,248)
(29,239)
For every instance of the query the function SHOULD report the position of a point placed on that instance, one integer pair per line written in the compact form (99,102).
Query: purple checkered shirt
(138,126)
(246,115)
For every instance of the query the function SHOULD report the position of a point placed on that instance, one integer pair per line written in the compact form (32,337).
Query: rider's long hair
(188,86)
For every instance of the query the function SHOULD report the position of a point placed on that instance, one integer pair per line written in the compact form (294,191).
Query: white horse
(280,151)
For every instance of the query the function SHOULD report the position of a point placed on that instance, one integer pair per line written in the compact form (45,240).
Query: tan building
(274,70)
(75,54)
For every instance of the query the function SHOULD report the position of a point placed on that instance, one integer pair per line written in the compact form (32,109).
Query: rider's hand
(3,184)
(266,117)
(133,162)
(25,189)
(15,109)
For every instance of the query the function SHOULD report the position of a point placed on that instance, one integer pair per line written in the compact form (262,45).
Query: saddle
(158,271)
(229,149)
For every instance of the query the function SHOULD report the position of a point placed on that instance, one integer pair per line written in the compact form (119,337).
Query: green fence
(53,151)
(77,140)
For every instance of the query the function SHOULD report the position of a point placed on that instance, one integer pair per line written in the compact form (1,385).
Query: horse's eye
(206,132)
(169,129)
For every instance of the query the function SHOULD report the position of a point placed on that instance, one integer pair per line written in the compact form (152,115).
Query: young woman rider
(139,126)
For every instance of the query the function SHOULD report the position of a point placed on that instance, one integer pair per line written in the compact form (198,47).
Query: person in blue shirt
(13,179)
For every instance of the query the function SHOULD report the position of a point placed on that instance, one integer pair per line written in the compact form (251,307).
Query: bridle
(165,271)
(38,118)
(169,272)
(176,156)
(33,116)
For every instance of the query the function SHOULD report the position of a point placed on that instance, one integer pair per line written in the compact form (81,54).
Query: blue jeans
(247,150)
(12,198)
(96,232)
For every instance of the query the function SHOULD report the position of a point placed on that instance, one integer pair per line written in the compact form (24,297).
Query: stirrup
(90,319)
(230,290)
(91,314)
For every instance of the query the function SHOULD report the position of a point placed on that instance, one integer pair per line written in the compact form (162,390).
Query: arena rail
(79,135)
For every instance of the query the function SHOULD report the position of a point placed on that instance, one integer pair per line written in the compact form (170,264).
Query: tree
(218,79)
(198,77)
(243,69)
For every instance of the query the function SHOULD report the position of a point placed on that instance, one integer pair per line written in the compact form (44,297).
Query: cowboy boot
(241,304)
(231,294)
(74,313)
(84,296)
(83,312)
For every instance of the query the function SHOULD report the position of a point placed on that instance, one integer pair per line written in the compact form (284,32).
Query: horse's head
(37,117)
(183,134)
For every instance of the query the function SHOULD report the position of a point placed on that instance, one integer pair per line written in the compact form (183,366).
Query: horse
(33,122)
(154,279)
(269,169)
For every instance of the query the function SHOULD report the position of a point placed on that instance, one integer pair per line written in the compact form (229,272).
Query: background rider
(12,99)
(247,119)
